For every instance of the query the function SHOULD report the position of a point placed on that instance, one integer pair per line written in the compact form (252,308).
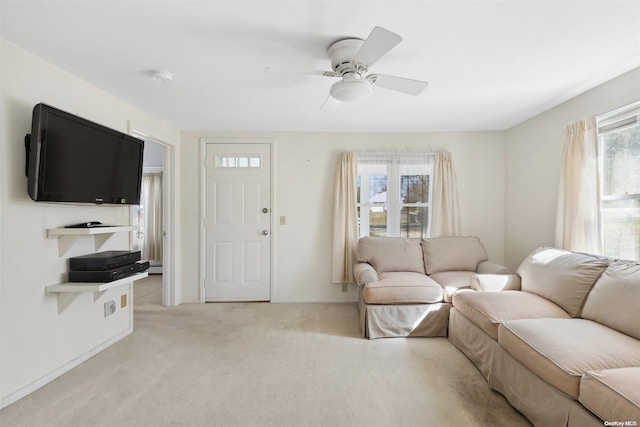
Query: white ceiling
(490,65)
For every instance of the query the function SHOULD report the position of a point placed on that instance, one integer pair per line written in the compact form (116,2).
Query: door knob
(265,210)
(265,232)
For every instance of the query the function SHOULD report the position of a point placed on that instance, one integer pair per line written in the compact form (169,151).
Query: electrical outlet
(109,308)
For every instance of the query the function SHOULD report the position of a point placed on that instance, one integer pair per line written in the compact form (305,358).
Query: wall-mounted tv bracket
(27,149)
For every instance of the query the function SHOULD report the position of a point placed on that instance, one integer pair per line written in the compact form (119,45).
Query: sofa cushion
(402,288)
(453,281)
(612,394)
(561,276)
(559,351)
(488,267)
(391,254)
(456,253)
(615,299)
(495,282)
(488,309)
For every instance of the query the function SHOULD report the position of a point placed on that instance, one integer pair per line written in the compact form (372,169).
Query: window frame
(238,161)
(617,120)
(393,203)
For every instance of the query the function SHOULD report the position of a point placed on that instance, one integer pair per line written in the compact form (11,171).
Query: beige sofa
(565,349)
(406,285)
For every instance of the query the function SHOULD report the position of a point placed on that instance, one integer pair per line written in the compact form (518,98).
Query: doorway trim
(203,197)
(170,197)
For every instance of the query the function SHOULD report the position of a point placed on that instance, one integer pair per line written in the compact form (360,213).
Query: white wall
(534,154)
(37,342)
(304,173)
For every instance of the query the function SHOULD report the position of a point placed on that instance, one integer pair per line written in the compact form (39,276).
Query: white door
(237,222)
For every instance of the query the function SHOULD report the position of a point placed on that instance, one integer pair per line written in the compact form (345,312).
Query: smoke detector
(162,76)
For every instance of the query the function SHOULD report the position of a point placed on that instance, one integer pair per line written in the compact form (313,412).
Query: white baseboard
(291,301)
(46,379)
(313,301)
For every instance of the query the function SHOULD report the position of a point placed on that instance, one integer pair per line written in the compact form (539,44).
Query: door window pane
(237,161)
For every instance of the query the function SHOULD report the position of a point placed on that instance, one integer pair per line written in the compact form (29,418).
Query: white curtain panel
(445,218)
(345,219)
(151,200)
(578,215)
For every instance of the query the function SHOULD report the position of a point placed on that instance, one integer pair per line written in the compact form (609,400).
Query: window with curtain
(619,144)
(394,194)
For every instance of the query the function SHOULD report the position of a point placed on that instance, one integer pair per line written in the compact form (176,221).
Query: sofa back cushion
(456,253)
(561,276)
(614,300)
(388,254)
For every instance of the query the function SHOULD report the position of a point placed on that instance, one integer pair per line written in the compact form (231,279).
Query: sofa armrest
(495,282)
(364,273)
(488,267)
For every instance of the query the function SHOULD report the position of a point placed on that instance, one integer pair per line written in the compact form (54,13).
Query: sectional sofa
(560,339)
(565,349)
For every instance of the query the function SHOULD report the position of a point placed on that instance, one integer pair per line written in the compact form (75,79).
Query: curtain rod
(398,152)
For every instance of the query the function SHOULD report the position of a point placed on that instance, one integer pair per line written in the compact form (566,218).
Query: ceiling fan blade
(379,42)
(400,84)
(299,71)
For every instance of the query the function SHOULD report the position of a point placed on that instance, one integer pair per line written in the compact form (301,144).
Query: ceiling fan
(350,61)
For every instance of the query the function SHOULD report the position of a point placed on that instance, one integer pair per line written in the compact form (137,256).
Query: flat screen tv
(70,159)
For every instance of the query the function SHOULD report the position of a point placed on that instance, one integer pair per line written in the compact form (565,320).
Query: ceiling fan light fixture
(351,89)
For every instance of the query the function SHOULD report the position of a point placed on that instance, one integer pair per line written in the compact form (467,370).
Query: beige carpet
(261,364)
(148,291)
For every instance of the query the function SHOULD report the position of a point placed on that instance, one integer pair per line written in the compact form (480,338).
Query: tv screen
(70,159)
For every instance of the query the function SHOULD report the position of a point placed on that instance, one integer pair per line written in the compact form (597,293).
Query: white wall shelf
(93,287)
(88,231)
(67,236)
(68,291)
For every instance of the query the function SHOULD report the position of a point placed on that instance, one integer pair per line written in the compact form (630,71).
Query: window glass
(377,221)
(393,194)
(621,161)
(413,222)
(620,183)
(414,188)
(621,228)
(377,189)
(239,161)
